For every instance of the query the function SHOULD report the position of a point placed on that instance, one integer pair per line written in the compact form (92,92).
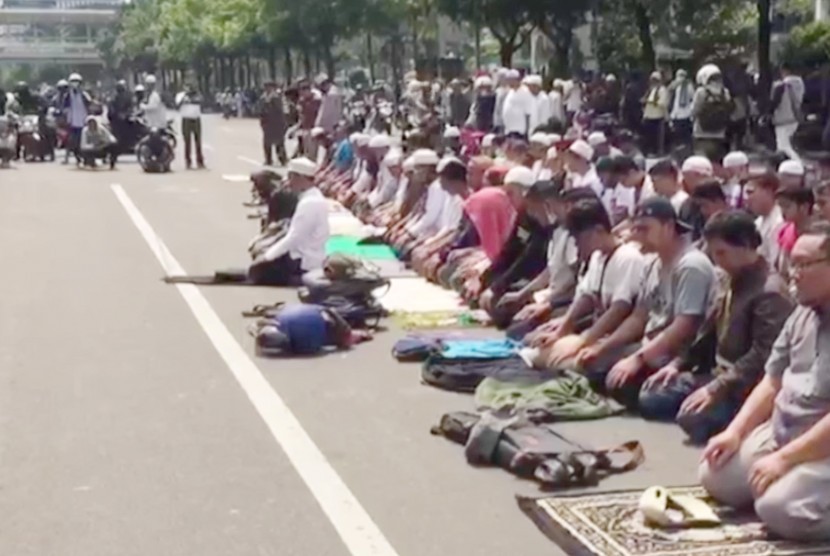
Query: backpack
(716,111)
(363,313)
(341,276)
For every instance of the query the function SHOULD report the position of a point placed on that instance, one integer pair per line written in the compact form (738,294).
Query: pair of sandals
(663,509)
(586,468)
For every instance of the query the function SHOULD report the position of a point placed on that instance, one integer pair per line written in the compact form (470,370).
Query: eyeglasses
(800,266)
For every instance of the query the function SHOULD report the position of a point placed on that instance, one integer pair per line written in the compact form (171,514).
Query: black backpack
(716,112)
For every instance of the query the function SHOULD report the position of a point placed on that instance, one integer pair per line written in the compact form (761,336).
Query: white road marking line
(235,177)
(208,147)
(250,161)
(355,526)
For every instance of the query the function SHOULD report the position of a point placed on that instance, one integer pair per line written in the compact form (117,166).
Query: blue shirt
(305,326)
(344,155)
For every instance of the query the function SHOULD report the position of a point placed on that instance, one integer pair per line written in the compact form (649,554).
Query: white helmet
(139,88)
(150,79)
(75,77)
(63,83)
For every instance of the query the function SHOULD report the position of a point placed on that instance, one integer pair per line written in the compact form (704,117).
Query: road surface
(135,419)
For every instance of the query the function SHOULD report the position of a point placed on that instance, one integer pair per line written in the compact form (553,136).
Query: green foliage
(808,46)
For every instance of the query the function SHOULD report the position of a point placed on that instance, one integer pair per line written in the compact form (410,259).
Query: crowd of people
(692,291)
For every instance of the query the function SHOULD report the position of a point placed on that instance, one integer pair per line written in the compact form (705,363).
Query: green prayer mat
(349,245)
(609,524)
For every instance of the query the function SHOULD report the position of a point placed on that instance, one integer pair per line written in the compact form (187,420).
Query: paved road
(135,420)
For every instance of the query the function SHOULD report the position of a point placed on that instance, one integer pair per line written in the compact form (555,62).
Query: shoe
(201,166)
(188,166)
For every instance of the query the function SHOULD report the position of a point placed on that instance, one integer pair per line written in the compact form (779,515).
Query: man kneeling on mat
(304,246)
(775,455)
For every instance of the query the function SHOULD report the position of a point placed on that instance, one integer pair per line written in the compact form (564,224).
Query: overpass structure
(54,31)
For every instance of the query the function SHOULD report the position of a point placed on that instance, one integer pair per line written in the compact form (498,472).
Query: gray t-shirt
(687,288)
(800,359)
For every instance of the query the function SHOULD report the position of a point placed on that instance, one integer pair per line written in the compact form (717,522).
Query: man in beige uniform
(776,453)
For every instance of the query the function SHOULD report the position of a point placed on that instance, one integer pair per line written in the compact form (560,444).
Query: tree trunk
(289,66)
(477,32)
(307,62)
(506,51)
(561,58)
(241,72)
(248,76)
(272,62)
(328,60)
(370,57)
(764,67)
(647,53)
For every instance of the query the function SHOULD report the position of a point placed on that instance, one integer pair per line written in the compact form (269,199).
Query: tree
(509,21)
(556,20)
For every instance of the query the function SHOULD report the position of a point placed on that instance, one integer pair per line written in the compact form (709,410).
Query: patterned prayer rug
(609,524)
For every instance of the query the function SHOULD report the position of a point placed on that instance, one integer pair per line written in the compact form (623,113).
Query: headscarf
(493,216)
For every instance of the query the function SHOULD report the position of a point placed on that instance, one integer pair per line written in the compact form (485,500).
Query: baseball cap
(661,209)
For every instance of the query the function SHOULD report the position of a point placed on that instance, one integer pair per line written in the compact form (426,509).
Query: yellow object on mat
(661,508)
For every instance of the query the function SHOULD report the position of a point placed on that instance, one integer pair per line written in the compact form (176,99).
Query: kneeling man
(304,246)
(775,454)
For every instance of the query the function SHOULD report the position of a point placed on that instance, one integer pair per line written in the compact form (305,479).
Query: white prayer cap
(610,77)
(425,157)
(393,157)
(705,73)
(502,72)
(558,83)
(533,80)
(520,175)
(150,79)
(656,76)
(483,81)
(541,139)
(597,138)
(735,159)
(553,152)
(791,168)
(512,74)
(359,139)
(318,132)
(446,161)
(487,140)
(302,166)
(697,164)
(582,149)
(381,141)
(554,138)
(409,164)
(452,132)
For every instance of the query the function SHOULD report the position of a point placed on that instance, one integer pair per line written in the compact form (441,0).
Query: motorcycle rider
(119,109)
(190,109)
(272,121)
(155,113)
(76,106)
(139,93)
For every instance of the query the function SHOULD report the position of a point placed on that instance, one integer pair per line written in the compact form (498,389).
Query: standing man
(331,105)
(190,109)
(76,106)
(272,121)
(787,98)
(155,112)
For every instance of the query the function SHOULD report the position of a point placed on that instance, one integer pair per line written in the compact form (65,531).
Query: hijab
(493,216)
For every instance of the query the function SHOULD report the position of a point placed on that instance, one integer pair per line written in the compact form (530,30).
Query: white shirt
(734,193)
(452,212)
(588,179)
(308,232)
(540,172)
(769,226)
(364,180)
(573,96)
(154,111)
(77,109)
(541,114)
(557,107)
(519,107)
(386,189)
(617,279)
(562,259)
(401,192)
(628,197)
(678,199)
(686,112)
(429,223)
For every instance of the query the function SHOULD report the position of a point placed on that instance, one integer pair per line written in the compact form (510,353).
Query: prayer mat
(609,524)
(438,319)
(350,245)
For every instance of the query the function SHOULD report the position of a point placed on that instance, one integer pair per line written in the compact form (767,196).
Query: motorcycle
(157,149)
(128,133)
